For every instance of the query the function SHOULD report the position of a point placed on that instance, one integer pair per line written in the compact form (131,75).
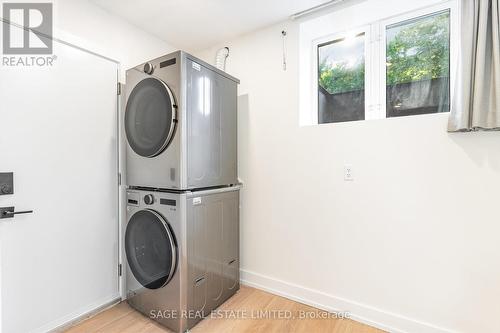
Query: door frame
(120,162)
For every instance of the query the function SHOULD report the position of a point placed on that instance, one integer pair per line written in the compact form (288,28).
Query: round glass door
(150,249)
(150,117)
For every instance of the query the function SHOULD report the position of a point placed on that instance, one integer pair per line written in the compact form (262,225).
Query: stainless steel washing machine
(180,123)
(182,252)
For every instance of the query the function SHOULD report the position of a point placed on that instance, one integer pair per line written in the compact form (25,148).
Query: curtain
(476,99)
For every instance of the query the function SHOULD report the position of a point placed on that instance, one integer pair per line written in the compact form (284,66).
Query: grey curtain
(476,99)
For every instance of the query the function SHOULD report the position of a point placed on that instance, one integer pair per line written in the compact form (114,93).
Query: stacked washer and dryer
(181,235)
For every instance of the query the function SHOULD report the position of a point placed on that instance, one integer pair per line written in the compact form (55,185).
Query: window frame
(331,38)
(375,58)
(453,38)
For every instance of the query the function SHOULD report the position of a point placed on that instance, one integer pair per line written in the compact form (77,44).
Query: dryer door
(151,249)
(150,117)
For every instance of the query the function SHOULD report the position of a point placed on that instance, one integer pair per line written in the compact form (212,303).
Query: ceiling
(197,24)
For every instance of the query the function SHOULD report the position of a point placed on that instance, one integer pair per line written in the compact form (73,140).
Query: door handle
(8,212)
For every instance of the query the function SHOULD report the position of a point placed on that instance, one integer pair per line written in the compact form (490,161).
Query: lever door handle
(21,212)
(8,212)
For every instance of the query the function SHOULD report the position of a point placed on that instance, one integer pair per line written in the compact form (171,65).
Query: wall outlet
(348,176)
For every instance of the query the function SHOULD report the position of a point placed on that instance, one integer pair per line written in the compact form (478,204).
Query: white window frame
(314,56)
(375,58)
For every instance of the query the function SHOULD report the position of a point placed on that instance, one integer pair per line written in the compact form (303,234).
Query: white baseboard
(62,324)
(366,314)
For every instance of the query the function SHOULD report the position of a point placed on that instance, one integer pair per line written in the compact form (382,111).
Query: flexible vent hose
(220,58)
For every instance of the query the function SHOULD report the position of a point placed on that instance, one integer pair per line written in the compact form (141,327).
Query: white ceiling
(197,24)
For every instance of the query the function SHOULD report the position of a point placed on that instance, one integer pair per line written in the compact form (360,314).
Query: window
(341,79)
(389,68)
(418,66)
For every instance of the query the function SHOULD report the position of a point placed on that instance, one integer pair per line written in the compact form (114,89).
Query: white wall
(412,244)
(87,25)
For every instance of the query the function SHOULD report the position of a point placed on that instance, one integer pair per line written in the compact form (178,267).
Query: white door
(58,135)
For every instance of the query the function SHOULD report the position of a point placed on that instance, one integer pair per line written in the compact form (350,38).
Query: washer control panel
(149,199)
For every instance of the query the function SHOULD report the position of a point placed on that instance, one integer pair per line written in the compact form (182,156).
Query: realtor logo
(29,30)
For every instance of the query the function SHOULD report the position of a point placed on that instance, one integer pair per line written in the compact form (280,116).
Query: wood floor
(252,302)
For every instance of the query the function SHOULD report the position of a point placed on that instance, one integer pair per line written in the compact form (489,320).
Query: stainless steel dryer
(182,252)
(180,124)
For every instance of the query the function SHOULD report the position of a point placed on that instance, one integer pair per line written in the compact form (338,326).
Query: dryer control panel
(149,199)
(133,198)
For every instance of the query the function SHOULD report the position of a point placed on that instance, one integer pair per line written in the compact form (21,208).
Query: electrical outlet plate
(348,176)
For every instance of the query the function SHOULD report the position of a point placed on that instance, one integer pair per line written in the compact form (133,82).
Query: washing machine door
(150,249)
(150,117)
